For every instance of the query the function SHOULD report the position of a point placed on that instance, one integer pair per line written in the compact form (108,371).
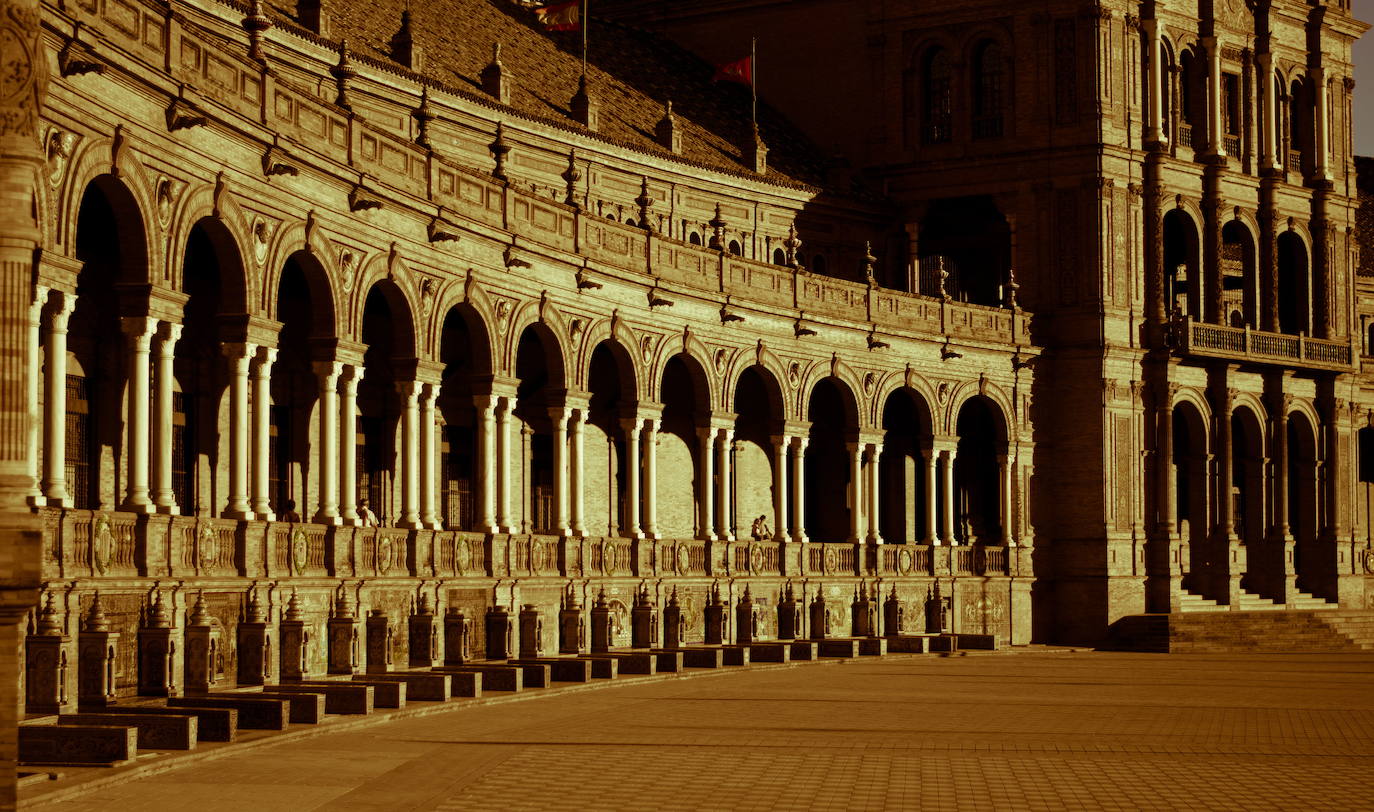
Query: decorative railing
(208,546)
(537,555)
(1231,143)
(1244,344)
(1185,135)
(1295,162)
(757,558)
(458,554)
(831,559)
(298,549)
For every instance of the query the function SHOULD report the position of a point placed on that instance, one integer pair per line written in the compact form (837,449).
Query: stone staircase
(1268,627)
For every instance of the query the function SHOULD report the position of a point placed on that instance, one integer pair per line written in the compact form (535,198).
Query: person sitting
(365,514)
(288,513)
(760,530)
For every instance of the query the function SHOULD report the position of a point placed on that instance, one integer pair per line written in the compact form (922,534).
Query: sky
(1364,82)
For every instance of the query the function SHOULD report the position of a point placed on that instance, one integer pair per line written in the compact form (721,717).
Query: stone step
(78,745)
(1254,630)
(495,677)
(339,697)
(212,724)
(419,687)
(255,713)
(155,732)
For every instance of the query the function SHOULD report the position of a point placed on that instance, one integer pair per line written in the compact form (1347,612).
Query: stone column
(262,433)
(705,482)
(1269,157)
(725,508)
(875,533)
(1167,470)
(1216,143)
(503,463)
(139,334)
(632,465)
(429,443)
(576,473)
(1153,69)
(932,479)
(164,497)
(486,463)
(349,377)
(328,373)
(948,530)
(1322,113)
(780,443)
(1281,529)
(559,415)
(1004,497)
(799,489)
(651,477)
(54,484)
(34,364)
(240,357)
(856,493)
(410,453)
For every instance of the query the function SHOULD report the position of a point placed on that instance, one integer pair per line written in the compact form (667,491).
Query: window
(988,79)
(1231,113)
(779,256)
(279,457)
(694,238)
(938,108)
(183,456)
(735,248)
(78,452)
(457,455)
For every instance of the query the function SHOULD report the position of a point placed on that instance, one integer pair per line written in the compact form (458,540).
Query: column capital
(139,328)
(328,371)
(350,375)
(168,333)
(266,357)
(238,350)
(409,390)
(64,302)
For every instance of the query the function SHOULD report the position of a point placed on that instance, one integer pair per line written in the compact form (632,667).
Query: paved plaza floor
(1022,730)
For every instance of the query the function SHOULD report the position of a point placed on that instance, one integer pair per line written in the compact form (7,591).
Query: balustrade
(1242,343)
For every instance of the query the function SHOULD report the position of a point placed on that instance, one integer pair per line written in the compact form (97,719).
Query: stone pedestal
(674,624)
(862,615)
(819,617)
(500,633)
(572,633)
(531,631)
(45,666)
(601,625)
(295,643)
(378,643)
(255,666)
(202,650)
(644,622)
(893,614)
(457,638)
(789,615)
(746,620)
(424,636)
(343,638)
(157,653)
(717,622)
(95,659)
(937,611)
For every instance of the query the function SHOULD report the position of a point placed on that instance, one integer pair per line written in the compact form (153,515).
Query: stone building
(1029,317)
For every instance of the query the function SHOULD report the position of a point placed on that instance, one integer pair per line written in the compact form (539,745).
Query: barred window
(183,456)
(79,449)
(938,107)
(989,69)
(279,458)
(459,501)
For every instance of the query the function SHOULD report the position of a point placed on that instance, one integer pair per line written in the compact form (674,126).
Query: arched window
(735,248)
(1295,307)
(1300,128)
(694,238)
(989,69)
(1190,102)
(937,110)
(779,256)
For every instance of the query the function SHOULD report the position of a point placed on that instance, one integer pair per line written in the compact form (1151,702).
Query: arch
(1248,476)
(233,292)
(548,325)
(779,256)
(317,286)
(996,401)
(698,359)
(299,240)
(684,390)
(908,424)
(1239,279)
(1192,488)
(622,343)
(833,411)
(1303,497)
(464,351)
(989,88)
(116,202)
(1182,264)
(980,429)
(848,384)
(612,404)
(757,400)
(116,172)
(217,211)
(390,295)
(1192,113)
(390,275)
(1295,284)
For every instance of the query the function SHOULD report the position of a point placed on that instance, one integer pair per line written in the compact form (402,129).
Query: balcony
(1231,143)
(1295,162)
(1256,347)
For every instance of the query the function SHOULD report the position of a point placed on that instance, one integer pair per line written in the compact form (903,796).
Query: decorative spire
(571,176)
(666,132)
(672,599)
(343,74)
(95,619)
(293,608)
(756,152)
(423,116)
(645,202)
(570,599)
(748,596)
(47,619)
(342,607)
(499,150)
(1012,288)
(256,23)
(585,110)
(788,594)
(601,598)
(869,262)
(253,612)
(717,225)
(200,616)
(791,246)
(496,79)
(157,615)
(943,276)
(425,606)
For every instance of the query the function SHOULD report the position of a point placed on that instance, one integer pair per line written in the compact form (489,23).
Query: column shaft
(139,333)
(1004,497)
(1322,115)
(725,508)
(799,489)
(576,473)
(948,455)
(349,378)
(559,415)
(55,404)
(705,483)
(932,483)
(410,453)
(329,449)
(429,439)
(651,478)
(632,465)
(262,433)
(856,493)
(34,364)
(486,463)
(503,463)
(875,533)
(164,496)
(780,444)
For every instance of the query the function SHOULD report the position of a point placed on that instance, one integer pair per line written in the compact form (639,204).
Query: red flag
(561,16)
(741,71)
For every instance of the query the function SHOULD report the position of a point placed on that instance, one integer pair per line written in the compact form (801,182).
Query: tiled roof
(631,73)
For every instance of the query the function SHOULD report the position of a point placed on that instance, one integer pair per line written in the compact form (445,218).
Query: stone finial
(342,607)
(253,611)
(423,115)
(200,615)
(585,110)
(756,153)
(667,132)
(496,78)
(571,176)
(256,24)
(403,47)
(343,74)
(792,245)
(47,619)
(863,590)
(293,608)
(893,594)
(672,599)
(158,618)
(500,148)
(1012,288)
(748,596)
(601,598)
(869,262)
(943,275)
(95,618)
(787,593)
(717,225)
(645,202)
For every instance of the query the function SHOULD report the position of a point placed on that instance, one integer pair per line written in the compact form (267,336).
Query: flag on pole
(741,71)
(561,16)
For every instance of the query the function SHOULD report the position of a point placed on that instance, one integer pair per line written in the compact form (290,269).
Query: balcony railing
(1185,135)
(1244,344)
(1295,162)
(1231,143)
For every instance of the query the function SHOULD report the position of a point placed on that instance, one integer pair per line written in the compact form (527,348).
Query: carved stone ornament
(102,544)
(21,78)
(832,559)
(207,547)
(794,374)
(646,348)
(462,556)
(182,115)
(300,551)
(386,555)
(684,558)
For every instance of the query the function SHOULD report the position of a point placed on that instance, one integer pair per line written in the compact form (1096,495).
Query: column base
(37,500)
(433,524)
(323,518)
(169,509)
(800,538)
(243,514)
(410,524)
(142,508)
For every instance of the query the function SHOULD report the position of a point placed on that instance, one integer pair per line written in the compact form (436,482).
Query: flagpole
(754,78)
(585,22)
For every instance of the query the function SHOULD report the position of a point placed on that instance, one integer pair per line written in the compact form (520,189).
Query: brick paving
(1025,730)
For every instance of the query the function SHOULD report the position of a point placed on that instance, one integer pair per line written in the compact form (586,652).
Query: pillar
(560,415)
(262,433)
(349,377)
(799,489)
(54,484)
(651,478)
(948,474)
(410,453)
(1004,498)
(240,357)
(1269,152)
(875,533)
(1322,113)
(164,497)
(932,484)
(705,480)
(632,464)
(576,473)
(486,463)
(429,440)
(328,373)
(503,463)
(34,365)
(725,508)
(1154,65)
(138,332)
(780,487)
(856,493)
(1216,143)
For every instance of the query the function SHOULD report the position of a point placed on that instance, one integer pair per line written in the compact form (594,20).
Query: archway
(1248,484)
(686,411)
(977,508)
(1303,499)
(905,515)
(758,421)
(1191,491)
(1182,269)
(540,390)
(1295,302)
(388,362)
(606,462)
(1239,282)
(833,413)
(464,352)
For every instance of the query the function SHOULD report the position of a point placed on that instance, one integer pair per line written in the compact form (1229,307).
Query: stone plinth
(500,633)
(457,638)
(378,642)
